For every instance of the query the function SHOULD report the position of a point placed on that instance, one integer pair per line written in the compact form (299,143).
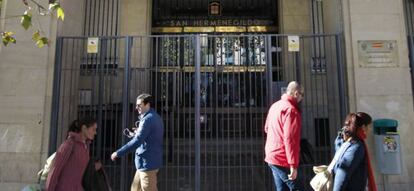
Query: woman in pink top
(72,157)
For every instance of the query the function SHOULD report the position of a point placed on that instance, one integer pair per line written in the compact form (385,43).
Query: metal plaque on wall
(377,53)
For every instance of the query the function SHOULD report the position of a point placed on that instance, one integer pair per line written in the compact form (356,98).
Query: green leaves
(36,36)
(59,11)
(7,37)
(26,20)
(40,41)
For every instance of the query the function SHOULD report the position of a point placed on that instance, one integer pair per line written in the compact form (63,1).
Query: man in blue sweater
(148,145)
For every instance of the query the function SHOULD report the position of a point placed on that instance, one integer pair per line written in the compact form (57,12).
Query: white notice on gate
(293,43)
(92,47)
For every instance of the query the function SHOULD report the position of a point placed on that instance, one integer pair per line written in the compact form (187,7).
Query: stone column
(135,20)
(26,76)
(295,16)
(135,17)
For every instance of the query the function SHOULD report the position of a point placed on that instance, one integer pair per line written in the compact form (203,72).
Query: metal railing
(212,91)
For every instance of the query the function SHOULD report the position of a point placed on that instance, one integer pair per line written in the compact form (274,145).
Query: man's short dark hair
(146,98)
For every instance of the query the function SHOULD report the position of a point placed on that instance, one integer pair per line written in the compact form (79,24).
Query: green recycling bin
(387,146)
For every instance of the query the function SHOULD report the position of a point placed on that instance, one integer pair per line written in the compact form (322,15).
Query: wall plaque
(377,53)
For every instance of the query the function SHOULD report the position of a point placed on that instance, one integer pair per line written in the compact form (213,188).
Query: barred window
(322,133)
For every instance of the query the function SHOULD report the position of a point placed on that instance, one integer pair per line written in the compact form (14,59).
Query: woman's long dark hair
(353,122)
(76,125)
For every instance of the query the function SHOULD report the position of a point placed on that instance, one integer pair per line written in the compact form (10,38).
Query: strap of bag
(336,157)
(332,164)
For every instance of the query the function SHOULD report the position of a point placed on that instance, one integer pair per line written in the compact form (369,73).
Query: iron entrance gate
(409,18)
(213,93)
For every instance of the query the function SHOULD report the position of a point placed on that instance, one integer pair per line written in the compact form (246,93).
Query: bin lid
(385,123)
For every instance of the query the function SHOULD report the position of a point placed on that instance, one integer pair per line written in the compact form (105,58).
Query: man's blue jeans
(282,182)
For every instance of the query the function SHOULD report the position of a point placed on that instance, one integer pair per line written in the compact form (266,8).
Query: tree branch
(38,4)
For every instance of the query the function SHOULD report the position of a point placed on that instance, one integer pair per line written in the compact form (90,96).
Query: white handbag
(323,180)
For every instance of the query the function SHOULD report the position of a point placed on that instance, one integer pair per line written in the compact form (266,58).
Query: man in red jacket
(283,129)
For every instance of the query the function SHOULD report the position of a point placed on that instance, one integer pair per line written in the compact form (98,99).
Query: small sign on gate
(92,47)
(293,43)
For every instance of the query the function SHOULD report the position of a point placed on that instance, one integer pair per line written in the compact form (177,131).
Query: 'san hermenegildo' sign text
(220,22)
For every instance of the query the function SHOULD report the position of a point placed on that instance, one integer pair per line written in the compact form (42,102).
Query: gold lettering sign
(231,29)
(262,29)
(257,68)
(199,29)
(223,29)
(167,29)
(216,22)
